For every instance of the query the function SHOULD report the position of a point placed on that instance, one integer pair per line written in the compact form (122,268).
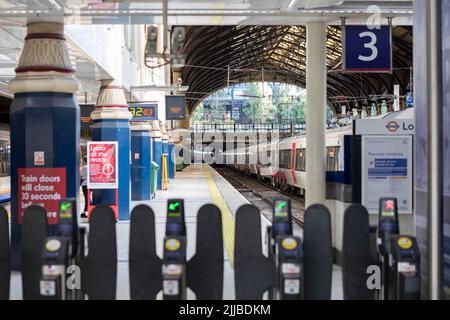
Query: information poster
(102,165)
(44,187)
(387,171)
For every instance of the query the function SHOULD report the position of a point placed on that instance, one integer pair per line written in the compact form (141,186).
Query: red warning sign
(102,165)
(44,187)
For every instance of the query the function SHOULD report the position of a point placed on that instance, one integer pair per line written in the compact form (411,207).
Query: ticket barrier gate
(398,256)
(295,268)
(47,261)
(60,252)
(388,226)
(173,274)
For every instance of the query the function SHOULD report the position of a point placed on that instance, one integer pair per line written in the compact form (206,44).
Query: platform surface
(197,185)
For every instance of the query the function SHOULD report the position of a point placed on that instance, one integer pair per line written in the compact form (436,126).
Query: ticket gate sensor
(284,271)
(55,259)
(175,224)
(286,251)
(404,263)
(68,224)
(282,217)
(99,267)
(5,255)
(356,256)
(388,225)
(203,273)
(60,252)
(289,268)
(34,234)
(174,268)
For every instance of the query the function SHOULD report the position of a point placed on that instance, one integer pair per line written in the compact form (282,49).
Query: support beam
(316,83)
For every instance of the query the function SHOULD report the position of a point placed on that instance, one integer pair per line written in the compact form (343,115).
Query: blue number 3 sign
(367,50)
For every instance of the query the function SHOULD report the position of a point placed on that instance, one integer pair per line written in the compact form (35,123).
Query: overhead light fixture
(292,4)
(55,4)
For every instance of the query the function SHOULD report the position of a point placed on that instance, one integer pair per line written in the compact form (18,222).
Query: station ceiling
(197,12)
(241,34)
(278,54)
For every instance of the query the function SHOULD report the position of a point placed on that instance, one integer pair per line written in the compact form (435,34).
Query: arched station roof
(279,52)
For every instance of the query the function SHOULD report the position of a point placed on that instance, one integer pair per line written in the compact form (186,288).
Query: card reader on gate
(174,268)
(175,225)
(289,265)
(55,258)
(405,264)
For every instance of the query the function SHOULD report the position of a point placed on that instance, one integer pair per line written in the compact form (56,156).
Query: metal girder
(281,51)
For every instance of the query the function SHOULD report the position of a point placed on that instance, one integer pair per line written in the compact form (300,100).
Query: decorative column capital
(111,102)
(44,65)
(156,132)
(140,126)
(165,137)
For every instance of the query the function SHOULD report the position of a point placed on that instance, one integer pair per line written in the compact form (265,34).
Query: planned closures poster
(387,171)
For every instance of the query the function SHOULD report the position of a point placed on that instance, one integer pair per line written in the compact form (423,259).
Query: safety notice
(102,165)
(44,187)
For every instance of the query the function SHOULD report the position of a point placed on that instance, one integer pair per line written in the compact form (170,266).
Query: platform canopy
(218,56)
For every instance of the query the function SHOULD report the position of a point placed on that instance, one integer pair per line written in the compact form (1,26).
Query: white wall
(119,50)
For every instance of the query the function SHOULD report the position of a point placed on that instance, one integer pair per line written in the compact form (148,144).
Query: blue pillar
(111,123)
(45,123)
(157,151)
(140,161)
(171,158)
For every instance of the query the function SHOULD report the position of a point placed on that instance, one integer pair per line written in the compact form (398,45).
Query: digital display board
(65,209)
(86,120)
(144,111)
(175,225)
(281,217)
(175,107)
(388,207)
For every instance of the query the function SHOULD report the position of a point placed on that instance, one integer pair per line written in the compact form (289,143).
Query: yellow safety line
(227,216)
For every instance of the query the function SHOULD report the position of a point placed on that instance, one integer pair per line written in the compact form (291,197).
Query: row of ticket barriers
(78,263)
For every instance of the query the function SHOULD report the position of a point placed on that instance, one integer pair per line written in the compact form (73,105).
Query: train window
(285,159)
(300,160)
(333,158)
(5,151)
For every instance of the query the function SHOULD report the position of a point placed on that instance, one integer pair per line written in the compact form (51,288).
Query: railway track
(262,195)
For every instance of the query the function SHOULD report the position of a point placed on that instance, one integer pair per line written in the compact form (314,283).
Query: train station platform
(198,185)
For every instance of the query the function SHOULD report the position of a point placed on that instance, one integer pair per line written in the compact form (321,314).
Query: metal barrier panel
(356,255)
(144,263)
(34,233)
(318,253)
(205,269)
(253,272)
(99,268)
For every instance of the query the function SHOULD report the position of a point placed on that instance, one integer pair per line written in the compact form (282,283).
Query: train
(284,160)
